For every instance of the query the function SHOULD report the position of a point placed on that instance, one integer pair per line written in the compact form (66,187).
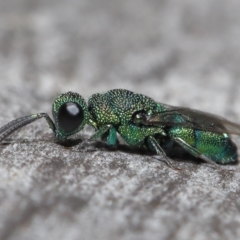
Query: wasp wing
(191,118)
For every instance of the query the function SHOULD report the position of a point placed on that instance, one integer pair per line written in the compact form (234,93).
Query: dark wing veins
(191,118)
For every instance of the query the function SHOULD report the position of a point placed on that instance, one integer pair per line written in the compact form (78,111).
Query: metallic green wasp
(140,121)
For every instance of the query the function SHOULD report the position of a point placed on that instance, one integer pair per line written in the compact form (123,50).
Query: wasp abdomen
(217,147)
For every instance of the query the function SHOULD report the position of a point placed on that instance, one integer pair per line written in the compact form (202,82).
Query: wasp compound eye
(70,116)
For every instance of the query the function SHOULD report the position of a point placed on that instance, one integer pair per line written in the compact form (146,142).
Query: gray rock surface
(178,52)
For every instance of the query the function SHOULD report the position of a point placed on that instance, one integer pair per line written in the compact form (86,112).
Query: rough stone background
(179,52)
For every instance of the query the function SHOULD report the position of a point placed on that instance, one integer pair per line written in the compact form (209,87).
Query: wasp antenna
(14,125)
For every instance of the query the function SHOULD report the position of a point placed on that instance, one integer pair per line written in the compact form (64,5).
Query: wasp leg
(194,151)
(154,145)
(112,135)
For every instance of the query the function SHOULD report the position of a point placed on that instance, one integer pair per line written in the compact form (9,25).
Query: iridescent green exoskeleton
(70,113)
(140,121)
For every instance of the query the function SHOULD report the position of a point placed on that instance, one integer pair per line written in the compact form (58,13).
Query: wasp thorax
(138,117)
(70,116)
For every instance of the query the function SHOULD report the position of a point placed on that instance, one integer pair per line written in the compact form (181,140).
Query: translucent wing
(186,117)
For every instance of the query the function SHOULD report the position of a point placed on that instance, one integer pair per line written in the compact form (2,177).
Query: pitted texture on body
(118,106)
(101,112)
(125,103)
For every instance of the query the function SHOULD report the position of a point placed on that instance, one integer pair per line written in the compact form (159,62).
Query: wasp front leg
(111,134)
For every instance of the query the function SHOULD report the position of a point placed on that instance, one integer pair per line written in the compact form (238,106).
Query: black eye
(70,116)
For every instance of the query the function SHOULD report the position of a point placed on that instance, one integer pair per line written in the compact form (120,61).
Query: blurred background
(183,53)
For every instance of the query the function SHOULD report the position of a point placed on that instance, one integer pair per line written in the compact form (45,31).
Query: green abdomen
(215,146)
